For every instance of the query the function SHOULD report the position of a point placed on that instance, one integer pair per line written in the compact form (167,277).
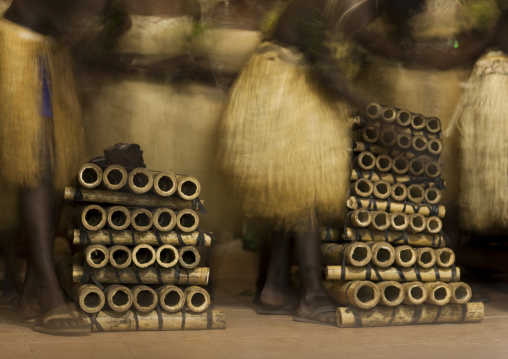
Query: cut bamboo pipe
(398,221)
(432,196)
(90,298)
(91,217)
(118,217)
(144,298)
(425,257)
(415,193)
(365,161)
(461,293)
(359,218)
(391,293)
(435,146)
(188,187)
(380,220)
(396,238)
(392,273)
(388,137)
(96,256)
(188,257)
(119,298)
(432,170)
(187,220)
(418,122)
(400,165)
(166,256)
(362,187)
(433,125)
(197,299)
(120,256)
(330,234)
(373,110)
(370,204)
(434,225)
(164,183)
(171,298)
(404,118)
(405,256)
(404,141)
(357,254)
(439,293)
(164,219)
(114,177)
(361,294)
(348,317)
(445,257)
(398,192)
(383,254)
(175,275)
(388,177)
(383,163)
(89,176)
(389,114)
(140,180)
(420,143)
(417,223)
(370,133)
(416,167)
(143,255)
(149,237)
(141,219)
(415,293)
(382,189)
(108,321)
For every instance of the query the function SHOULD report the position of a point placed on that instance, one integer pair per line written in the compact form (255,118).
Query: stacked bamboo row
(391,265)
(140,235)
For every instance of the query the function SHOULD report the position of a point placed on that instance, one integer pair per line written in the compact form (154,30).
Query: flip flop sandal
(315,313)
(287,309)
(61,314)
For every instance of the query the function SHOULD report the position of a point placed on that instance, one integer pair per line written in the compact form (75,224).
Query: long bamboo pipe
(187,220)
(372,204)
(388,177)
(92,217)
(114,177)
(415,293)
(143,255)
(197,299)
(90,298)
(164,219)
(439,293)
(392,273)
(119,298)
(118,217)
(166,256)
(96,256)
(164,183)
(188,257)
(396,238)
(120,256)
(361,294)
(144,298)
(171,298)
(357,254)
(89,176)
(141,219)
(391,293)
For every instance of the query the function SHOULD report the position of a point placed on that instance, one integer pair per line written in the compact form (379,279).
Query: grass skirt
(483,132)
(284,143)
(28,138)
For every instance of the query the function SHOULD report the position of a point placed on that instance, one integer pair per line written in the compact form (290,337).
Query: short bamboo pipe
(400,165)
(357,254)
(415,193)
(114,177)
(439,293)
(360,294)
(365,161)
(392,273)
(396,238)
(166,256)
(91,217)
(359,218)
(363,187)
(171,298)
(119,298)
(140,180)
(90,298)
(381,189)
(461,293)
(187,220)
(141,219)
(425,257)
(118,217)
(398,192)
(188,187)
(398,221)
(164,183)
(445,257)
(144,298)
(120,256)
(391,293)
(426,210)
(380,220)
(197,299)
(405,256)
(188,257)
(417,223)
(89,176)
(415,293)
(432,196)
(383,254)
(96,256)
(143,255)
(434,225)
(164,219)
(388,177)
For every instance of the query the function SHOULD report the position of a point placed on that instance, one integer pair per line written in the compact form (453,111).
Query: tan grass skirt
(28,139)
(284,143)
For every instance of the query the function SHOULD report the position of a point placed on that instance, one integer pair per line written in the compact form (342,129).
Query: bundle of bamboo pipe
(392,273)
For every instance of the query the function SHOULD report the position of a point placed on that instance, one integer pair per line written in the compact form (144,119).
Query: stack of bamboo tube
(140,231)
(391,265)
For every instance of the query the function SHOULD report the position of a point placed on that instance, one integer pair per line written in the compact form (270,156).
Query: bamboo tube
(439,293)
(188,257)
(398,221)
(388,177)
(96,256)
(141,219)
(432,195)
(445,257)
(388,137)
(120,256)
(382,189)
(358,121)
(164,219)
(461,293)
(416,240)
(383,163)
(108,321)
(140,180)
(425,257)
(90,298)
(415,293)
(89,176)
(416,167)
(391,293)
(357,254)
(392,273)
(398,192)
(197,299)
(418,122)
(365,161)
(164,183)
(119,298)
(348,317)
(380,220)
(433,125)
(144,298)
(359,218)
(435,146)
(373,110)
(404,118)
(188,187)
(362,187)
(118,217)
(400,165)
(405,256)
(91,217)
(175,275)
(417,223)
(114,177)
(420,143)
(187,220)
(370,133)
(434,225)
(166,256)
(132,237)
(361,294)
(331,234)
(426,210)
(143,255)
(404,141)
(171,298)
(432,170)
(389,114)
(383,254)
(415,193)
(123,199)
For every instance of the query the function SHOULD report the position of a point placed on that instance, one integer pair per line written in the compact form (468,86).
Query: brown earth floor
(253,336)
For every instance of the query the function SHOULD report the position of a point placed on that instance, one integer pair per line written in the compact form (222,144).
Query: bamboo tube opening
(361,217)
(417,222)
(164,219)
(363,187)
(418,122)
(405,256)
(197,299)
(91,217)
(392,293)
(435,146)
(171,298)
(383,163)
(366,295)
(90,176)
(432,170)
(380,220)
(143,255)
(165,183)
(119,218)
(94,218)
(416,293)
(389,114)
(187,220)
(433,124)
(461,293)
(119,298)
(188,257)
(120,256)
(420,143)
(388,137)
(141,219)
(415,193)
(92,300)
(360,254)
(432,195)
(400,165)
(425,257)
(373,110)
(445,257)
(167,256)
(188,187)
(96,256)
(434,225)
(438,293)
(383,255)
(145,299)
(371,134)
(140,180)
(366,161)
(404,141)
(382,189)
(403,118)
(399,221)
(416,167)
(114,177)
(398,192)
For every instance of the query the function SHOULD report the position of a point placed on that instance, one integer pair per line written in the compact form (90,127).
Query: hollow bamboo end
(164,219)
(432,170)
(425,257)
(145,299)
(445,257)
(167,256)
(380,220)
(438,293)
(389,114)
(93,217)
(114,177)
(384,163)
(96,256)
(418,122)
(365,294)
(403,118)
(140,180)
(415,293)
(165,184)
(399,221)
(187,220)
(363,187)
(433,125)
(415,193)
(405,256)
(120,256)
(416,167)
(171,298)
(371,134)
(435,146)
(366,161)
(89,176)
(433,196)
(417,223)
(400,165)
(383,254)
(373,110)
(388,137)
(197,299)
(461,293)
(119,298)
(143,255)
(188,257)
(359,254)
(391,293)
(141,219)
(91,299)
(118,218)
(398,192)
(188,187)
